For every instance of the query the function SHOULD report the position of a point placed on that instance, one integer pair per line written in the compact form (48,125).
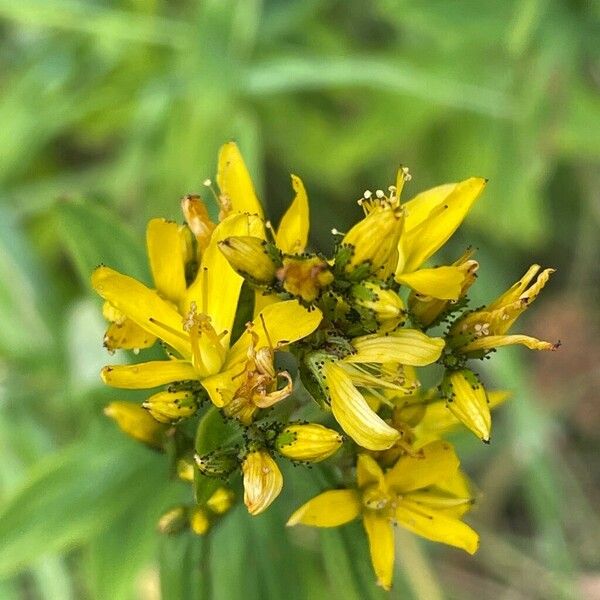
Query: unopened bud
(173,521)
(198,519)
(250,257)
(170,407)
(219,463)
(308,442)
(386,305)
(467,400)
(305,278)
(220,502)
(262,481)
(198,220)
(133,420)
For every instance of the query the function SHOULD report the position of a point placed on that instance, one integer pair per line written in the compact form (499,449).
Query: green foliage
(111,111)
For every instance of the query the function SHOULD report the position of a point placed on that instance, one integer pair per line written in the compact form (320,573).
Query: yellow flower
(309,442)
(262,481)
(485,329)
(431,219)
(199,332)
(374,366)
(416,493)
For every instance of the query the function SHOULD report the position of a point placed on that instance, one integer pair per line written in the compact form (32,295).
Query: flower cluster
(253,325)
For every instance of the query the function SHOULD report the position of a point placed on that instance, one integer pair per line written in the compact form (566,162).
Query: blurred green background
(111,110)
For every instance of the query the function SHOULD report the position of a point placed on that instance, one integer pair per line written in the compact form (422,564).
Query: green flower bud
(218,463)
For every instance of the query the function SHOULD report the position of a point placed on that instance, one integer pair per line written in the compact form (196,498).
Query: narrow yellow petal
(353,413)
(166,252)
(235,184)
(421,241)
(217,286)
(262,481)
(467,400)
(380,533)
(143,306)
(495,341)
(292,234)
(444,283)
(127,335)
(147,375)
(435,462)
(279,324)
(407,346)
(368,472)
(436,526)
(329,509)
(447,504)
(514,292)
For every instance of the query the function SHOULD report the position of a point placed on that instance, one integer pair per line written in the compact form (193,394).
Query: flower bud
(262,481)
(385,304)
(374,242)
(467,400)
(251,257)
(170,407)
(305,278)
(220,502)
(185,469)
(198,220)
(218,463)
(133,420)
(198,520)
(427,309)
(173,521)
(308,442)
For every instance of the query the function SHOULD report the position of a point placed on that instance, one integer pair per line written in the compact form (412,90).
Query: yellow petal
(217,286)
(514,292)
(436,526)
(419,208)
(444,283)
(435,462)
(235,183)
(421,241)
(380,533)
(353,413)
(495,341)
(329,509)
(262,300)
(166,252)
(292,234)
(447,504)
(279,324)
(147,375)
(127,335)
(143,306)
(222,386)
(136,422)
(408,347)
(262,481)
(368,472)
(467,400)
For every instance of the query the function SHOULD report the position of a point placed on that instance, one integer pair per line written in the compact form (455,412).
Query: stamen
(179,334)
(334,231)
(367,194)
(380,194)
(204,307)
(262,320)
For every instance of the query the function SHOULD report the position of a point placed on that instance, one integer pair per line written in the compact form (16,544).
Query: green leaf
(74,494)
(183,568)
(93,236)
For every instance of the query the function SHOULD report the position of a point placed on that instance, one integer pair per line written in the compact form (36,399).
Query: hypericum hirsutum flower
(255,325)
(485,329)
(413,494)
